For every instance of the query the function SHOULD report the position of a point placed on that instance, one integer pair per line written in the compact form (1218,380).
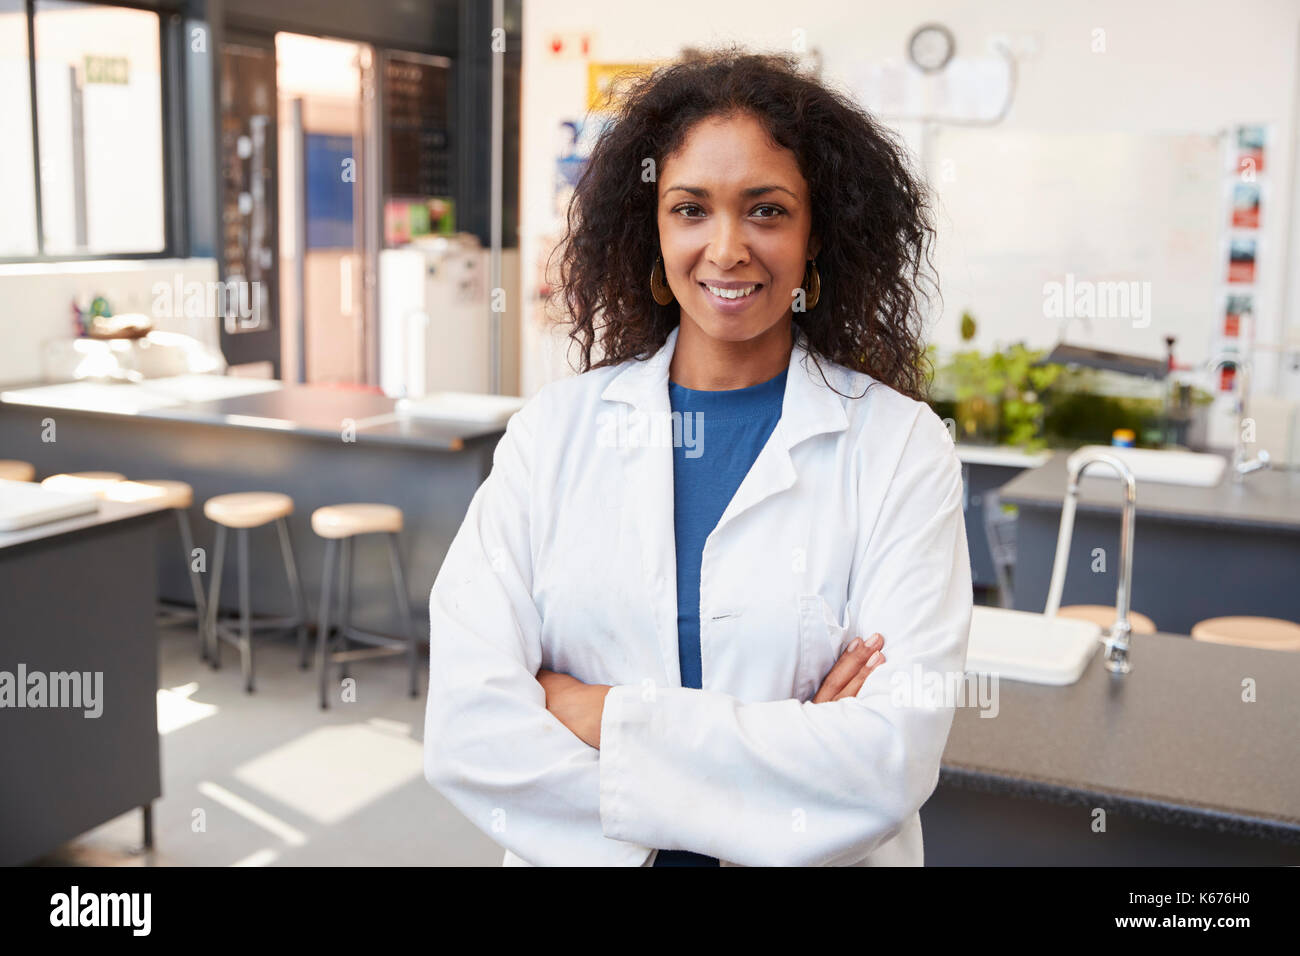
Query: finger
(841,671)
(852,687)
(854,656)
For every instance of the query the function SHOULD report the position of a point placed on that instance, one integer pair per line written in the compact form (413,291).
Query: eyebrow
(750,193)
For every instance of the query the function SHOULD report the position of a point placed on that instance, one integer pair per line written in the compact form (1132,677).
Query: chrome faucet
(1241,465)
(1117,635)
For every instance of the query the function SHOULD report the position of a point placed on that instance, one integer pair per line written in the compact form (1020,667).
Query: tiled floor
(271,779)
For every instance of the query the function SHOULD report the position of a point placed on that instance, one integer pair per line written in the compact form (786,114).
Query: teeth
(731,293)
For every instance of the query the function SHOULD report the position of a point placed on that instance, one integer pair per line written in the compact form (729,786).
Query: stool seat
(1104,616)
(248,509)
(14,470)
(344,521)
(1268,633)
(170,493)
(83,482)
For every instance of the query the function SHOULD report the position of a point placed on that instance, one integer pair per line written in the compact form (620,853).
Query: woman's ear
(814,247)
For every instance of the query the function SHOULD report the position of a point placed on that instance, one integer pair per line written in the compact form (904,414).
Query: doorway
(329,209)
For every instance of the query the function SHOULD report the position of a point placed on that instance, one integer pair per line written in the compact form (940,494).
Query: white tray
(461,407)
(1029,647)
(1154,464)
(25,503)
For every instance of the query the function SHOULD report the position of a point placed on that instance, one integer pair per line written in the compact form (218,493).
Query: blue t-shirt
(722,433)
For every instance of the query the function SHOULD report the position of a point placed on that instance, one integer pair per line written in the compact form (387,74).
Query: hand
(577,705)
(850,671)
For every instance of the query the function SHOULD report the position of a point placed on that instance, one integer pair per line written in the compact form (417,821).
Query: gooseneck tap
(1241,465)
(1117,635)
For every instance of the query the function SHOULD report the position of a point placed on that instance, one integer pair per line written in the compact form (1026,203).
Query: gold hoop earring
(659,283)
(812,283)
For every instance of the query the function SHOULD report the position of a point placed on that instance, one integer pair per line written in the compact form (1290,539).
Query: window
(18,225)
(97,83)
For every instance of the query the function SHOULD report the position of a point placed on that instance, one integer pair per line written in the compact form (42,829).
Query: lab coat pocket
(822,639)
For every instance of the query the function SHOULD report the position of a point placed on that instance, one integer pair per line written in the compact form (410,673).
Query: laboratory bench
(1193,756)
(79,595)
(320,445)
(984,469)
(1198,552)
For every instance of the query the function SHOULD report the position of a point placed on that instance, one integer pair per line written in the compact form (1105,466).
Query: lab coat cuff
(613,810)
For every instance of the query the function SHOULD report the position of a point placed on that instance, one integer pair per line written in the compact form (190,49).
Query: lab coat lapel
(808,408)
(647,468)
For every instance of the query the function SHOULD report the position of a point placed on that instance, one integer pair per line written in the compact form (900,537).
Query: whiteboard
(1016,210)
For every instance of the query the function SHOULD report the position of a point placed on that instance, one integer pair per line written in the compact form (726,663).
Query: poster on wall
(574,141)
(606,80)
(1242,253)
(1237,310)
(1252,141)
(1245,205)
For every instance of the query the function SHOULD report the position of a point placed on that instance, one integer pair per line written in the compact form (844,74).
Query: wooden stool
(338,525)
(83,482)
(1268,633)
(178,496)
(13,470)
(240,512)
(1104,616)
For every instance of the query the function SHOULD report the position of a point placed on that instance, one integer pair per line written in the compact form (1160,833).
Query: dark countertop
(323,412)
(312,411)
(1172,741)
(1269,498)
(108,513)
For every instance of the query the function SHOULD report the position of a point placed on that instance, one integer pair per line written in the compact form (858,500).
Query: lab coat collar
(808,408)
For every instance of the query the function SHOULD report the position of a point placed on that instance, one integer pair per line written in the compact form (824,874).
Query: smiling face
(735,229)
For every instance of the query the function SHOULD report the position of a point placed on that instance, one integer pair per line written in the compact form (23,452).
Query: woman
(641,643)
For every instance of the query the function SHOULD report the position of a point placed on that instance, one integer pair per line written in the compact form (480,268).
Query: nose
(727,247)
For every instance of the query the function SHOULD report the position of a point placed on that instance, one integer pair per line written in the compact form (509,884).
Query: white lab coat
(848,523)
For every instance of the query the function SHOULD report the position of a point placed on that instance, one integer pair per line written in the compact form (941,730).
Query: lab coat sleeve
(490,745)
(793,783)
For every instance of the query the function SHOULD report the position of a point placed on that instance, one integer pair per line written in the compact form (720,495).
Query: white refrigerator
(434,318)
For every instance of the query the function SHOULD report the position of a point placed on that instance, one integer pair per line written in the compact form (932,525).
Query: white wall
(37,303)
(1169,65)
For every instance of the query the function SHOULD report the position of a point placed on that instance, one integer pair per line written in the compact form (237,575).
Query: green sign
(107,69)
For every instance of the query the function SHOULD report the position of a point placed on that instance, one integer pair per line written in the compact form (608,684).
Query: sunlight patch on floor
(330,773)
(176,709)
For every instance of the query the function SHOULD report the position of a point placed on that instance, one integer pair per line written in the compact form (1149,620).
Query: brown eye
(774,211)
(685,206)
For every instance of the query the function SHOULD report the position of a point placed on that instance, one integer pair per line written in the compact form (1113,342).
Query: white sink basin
(1019,645)
(1154,464)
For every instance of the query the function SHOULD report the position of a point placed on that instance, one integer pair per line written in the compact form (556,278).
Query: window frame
(171,74)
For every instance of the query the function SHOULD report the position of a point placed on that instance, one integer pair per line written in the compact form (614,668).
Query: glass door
(329,217)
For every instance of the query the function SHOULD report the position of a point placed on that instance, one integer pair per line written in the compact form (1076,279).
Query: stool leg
(323,623)
(403,607)
(245,615)
(345,600)
(200,602)
(214,598)
(295,587)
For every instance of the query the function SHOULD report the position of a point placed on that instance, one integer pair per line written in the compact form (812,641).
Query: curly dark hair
(871,214)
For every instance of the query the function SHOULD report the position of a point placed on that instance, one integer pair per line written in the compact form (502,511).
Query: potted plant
(996,397)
